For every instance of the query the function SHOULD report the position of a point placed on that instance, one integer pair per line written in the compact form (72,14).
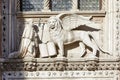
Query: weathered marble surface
(65,28)
(60,69)
(62,29)
(108,38)
(59,64)
(65,75)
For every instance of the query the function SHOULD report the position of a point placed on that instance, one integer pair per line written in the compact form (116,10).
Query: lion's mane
(56,33)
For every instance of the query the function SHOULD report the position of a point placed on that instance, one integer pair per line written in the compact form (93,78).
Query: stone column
(0,35)
(117,27)
(46,6)
(8,23)
(75,5)
(5,44)
(12,25)
(102,4)
(17,4)
(0,27)
(111,28)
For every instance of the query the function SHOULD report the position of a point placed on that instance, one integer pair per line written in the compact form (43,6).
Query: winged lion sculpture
(63,31)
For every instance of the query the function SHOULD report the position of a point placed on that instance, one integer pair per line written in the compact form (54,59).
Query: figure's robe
(27,46)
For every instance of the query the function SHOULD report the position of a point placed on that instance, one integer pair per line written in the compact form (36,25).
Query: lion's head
(54,23)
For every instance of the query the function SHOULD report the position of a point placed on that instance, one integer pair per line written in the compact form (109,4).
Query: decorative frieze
(62,65)
(18,69)
(64,75)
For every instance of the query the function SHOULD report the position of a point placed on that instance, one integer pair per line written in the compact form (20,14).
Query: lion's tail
(91,36)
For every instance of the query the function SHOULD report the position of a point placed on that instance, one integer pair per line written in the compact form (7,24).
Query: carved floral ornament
(48,40)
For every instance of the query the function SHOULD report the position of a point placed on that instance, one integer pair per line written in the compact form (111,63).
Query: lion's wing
(72,21)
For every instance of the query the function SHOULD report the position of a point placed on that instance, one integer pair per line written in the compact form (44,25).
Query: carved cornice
(56,64)
(37,14)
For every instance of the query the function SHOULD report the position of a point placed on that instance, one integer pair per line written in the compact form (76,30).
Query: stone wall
(61,69)
(83,69)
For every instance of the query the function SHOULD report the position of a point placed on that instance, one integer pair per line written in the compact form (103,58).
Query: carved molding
(8,23)
(63,75)
(58,64)
(48,14)
(117,28)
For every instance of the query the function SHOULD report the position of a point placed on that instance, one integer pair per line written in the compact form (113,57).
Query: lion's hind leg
(88,42)
(82,49)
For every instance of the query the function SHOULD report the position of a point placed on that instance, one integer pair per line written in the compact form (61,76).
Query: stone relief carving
(29,42)
(64,29)
(50,64)
(66,75)
(43,40)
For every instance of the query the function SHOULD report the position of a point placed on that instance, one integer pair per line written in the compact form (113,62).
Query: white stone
(62,33)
